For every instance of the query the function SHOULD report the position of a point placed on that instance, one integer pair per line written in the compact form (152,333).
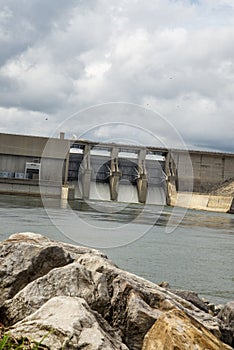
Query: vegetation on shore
(8,342)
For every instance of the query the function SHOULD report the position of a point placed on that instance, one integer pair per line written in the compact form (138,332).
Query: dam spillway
(116,174)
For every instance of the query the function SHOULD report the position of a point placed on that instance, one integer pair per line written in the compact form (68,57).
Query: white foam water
(99,191)
(156,195)
(127,193)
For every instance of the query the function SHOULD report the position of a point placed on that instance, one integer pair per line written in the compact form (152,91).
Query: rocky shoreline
(71,297)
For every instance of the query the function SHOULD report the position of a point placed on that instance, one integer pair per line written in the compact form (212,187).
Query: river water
(189,249)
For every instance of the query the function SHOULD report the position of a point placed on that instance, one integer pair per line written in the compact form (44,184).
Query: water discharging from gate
(156,195)
(127,193)
(99,191)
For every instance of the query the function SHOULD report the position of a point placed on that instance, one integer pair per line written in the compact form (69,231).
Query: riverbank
(74,297)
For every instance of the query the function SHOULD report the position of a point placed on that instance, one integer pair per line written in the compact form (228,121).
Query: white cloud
(172,56)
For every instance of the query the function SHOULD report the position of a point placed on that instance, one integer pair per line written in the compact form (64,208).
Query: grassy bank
(8,342)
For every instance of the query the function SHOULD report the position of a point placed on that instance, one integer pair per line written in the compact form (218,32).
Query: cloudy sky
(106,69)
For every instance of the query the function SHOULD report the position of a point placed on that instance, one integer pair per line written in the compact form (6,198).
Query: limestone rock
(27,256)
(140,317)
(164,284)
(151,299)
(34,270)
(227,316)
(192,297)
(72,280)
(68,323)
(23,258)
(176,330)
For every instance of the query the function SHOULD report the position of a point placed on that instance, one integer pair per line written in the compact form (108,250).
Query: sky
(132,71)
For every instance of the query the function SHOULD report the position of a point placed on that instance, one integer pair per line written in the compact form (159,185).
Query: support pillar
(66,168)
(115,174)
(67,192)
(86,172)
(170,170)
(142,181)
(142,187)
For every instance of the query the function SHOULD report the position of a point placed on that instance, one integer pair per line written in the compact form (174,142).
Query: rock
(140,316)
(72,280)
(36,271)
(123,285)
(192,297)
(226,314)
(25,257)
(68,323)
(176,330)
(164,284)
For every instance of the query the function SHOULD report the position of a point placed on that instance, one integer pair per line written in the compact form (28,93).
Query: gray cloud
(24,23)
(175,57)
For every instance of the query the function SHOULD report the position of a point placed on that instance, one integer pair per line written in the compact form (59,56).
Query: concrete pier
(86,180)
(86,172)
(142,182)
(231,210)
(115,174)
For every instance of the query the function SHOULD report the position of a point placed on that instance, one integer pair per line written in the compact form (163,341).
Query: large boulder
(24,257)
(192,297)
(176,330)
(72,280)
(36,272)
(124,287)
(68,323)
(226,314)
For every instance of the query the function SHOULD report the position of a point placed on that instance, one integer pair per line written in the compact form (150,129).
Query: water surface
(197,255)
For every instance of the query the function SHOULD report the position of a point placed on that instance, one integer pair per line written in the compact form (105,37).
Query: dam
(81,169)
(117,173)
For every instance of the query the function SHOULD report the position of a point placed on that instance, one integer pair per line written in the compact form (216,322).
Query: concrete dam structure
(87,170)
(117,173)
(25,167)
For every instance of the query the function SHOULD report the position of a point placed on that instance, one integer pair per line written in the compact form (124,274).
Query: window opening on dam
(32,170)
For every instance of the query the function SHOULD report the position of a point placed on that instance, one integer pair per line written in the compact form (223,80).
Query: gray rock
(164,284)
(192,297)
(24,258)
(72,280)
(122,285)
(68,323)
(120,302)
(226,314)
(140,317)
(27,256)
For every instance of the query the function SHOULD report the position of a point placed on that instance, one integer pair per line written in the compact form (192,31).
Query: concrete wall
(33,146)
(52,170)
(14,163)
(16,150)
(208,169)
(8,186)
(202,202)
